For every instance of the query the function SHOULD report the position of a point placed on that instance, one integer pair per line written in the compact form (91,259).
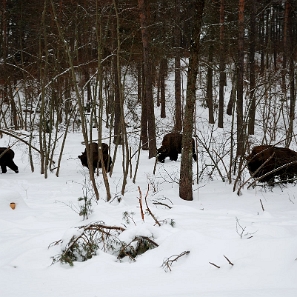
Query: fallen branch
(140,203)
(148,209)
(228,261)
(169,261)
(163,204)
(215,265)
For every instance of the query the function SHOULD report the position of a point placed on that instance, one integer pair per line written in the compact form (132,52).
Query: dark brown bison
(270,158)
(172,146)
(96,162)
(6,160)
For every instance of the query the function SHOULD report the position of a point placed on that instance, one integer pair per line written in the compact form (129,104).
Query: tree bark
(209,92)
(290,49)
(285,45)
(252,109)
(177,70)
(240,70)
(118,102)
(147,63)
(222,65)
(163,73)
(186,173)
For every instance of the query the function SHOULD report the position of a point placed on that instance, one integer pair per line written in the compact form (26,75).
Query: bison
(96,160)
(6,160)
(266,158)
(172,146)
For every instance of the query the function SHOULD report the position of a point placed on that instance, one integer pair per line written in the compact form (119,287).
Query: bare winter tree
(252,110)
(147,64)
(186,173)
(177,70)
(240,70)
(222,65)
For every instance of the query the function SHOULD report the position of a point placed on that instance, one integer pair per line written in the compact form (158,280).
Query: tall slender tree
(240,71)
(147,65)
(186,172)
(291,73)
(177,68)
(222,65)
(252,109)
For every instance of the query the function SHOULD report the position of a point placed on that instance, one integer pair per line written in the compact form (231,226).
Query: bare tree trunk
(222,65)
(240,70)
(252,109)
(163,73)
(100,101)
(290,131)
(285,45)
(147,60)
(177,70)
(232,98)
(144,115)
(118,108)
(186,171)
(209,93)
(139,82)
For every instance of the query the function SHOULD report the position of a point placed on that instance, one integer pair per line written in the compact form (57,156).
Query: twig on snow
(228,261)
(169,261)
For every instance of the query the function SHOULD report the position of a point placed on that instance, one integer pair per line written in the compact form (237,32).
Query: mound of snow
(9,196)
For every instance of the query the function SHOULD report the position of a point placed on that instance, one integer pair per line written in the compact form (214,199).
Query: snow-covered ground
(218,228)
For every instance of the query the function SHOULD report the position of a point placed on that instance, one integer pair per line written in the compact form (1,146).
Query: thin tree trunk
(285,45)
(147,63)
(177,70)
(117,90)
(139,82)
(222,65)
(186,170)
(209,93)
(252,110)
(163,72)
(290,131)
(240,70)
(101,100)
(144,133)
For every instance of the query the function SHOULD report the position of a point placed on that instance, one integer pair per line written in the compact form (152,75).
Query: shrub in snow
(88,239)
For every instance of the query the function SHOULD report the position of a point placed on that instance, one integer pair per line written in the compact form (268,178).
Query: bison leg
(173,155)
(3,168)
(107,163)
(194,156)
(12,166)
(194,151)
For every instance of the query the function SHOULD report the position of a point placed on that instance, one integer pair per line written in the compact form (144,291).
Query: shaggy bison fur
(172,146)
(6,160)
(274,157)
(96,160)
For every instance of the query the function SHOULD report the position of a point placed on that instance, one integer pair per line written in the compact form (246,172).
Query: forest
(103,68)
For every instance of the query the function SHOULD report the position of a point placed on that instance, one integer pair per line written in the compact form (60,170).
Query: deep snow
(210,227)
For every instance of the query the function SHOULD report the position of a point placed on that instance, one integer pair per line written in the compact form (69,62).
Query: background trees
(65,64)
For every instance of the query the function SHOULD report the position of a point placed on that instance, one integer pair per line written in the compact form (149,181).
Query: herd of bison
(265,162)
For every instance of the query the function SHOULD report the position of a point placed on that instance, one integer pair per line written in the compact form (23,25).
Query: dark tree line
(69,57)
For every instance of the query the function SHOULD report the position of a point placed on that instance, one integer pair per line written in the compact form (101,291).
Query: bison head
(84,160)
